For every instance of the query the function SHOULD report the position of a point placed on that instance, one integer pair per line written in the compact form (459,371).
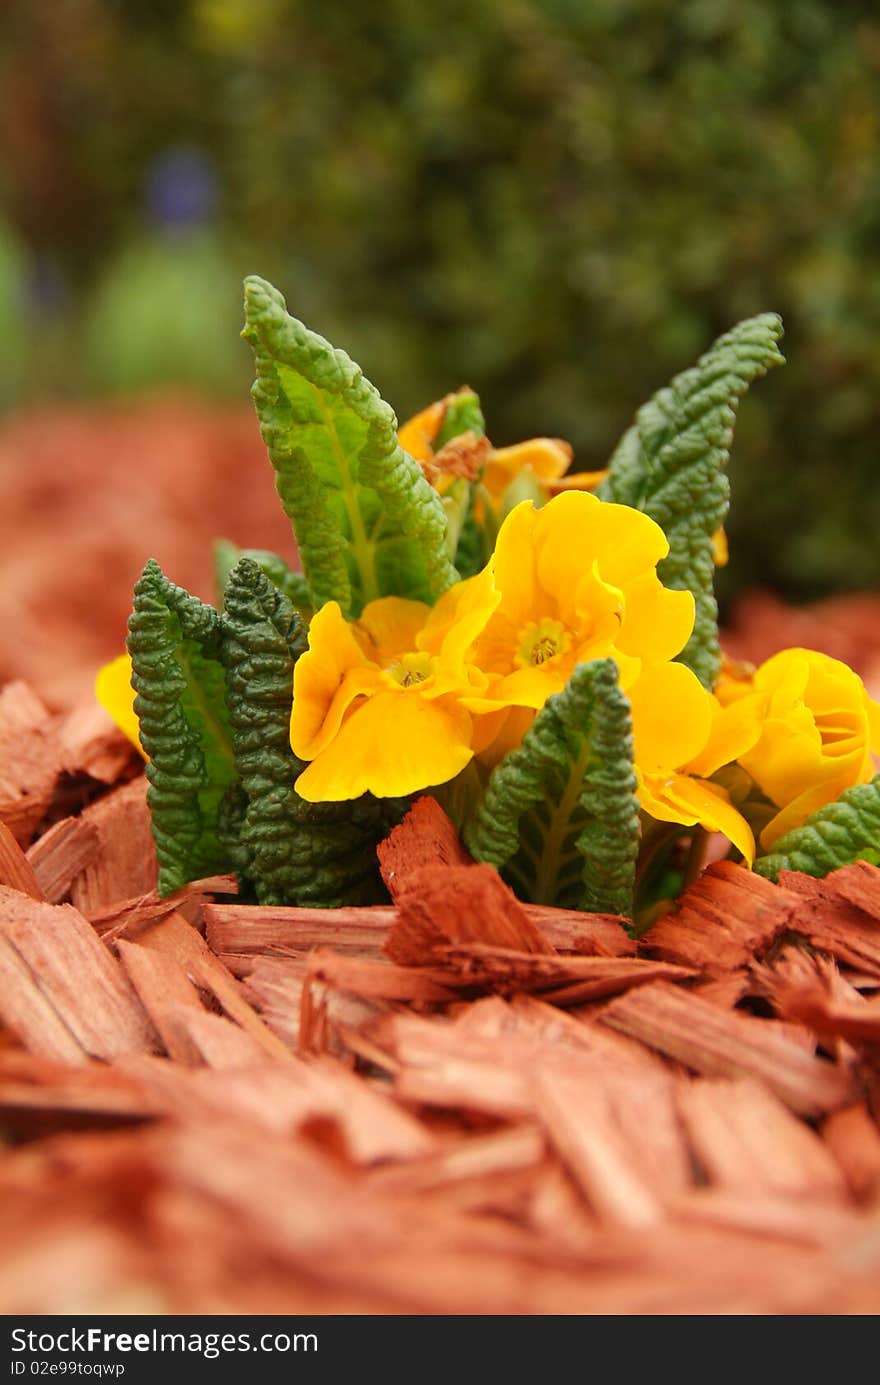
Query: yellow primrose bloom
(681,735)
(116,695)
(817,729)
(576,580)
(379,705)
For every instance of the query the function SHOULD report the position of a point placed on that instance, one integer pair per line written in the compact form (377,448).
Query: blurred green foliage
(561,203)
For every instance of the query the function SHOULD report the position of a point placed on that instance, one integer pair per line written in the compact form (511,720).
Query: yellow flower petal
(513,564)
(735,729)
(672,716)
(333,671)
(680,798)
(390,627)
(658,622)
(576,527)
(116,695)
(459,617)
(390,745)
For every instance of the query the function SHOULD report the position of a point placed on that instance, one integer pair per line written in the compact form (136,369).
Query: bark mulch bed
(452,1104)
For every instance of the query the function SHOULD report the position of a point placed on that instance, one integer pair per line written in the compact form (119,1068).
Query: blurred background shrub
(560,203)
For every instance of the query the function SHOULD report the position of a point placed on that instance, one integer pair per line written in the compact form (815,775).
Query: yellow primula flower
(576,580)
(116,695)
(817,728)
(380,705)
(681,736)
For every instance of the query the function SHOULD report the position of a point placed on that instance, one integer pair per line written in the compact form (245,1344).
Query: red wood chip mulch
(455,1103)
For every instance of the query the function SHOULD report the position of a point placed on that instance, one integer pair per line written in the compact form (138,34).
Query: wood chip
(125,867)
(81,983)
(125,916)
(833,923)
(744,1137)
(578,1120)
(161,984)
(246,929)
(16,870)
(30,760)
(724,1044)
(723,921)
(459,904)
(854,1141)
(425,837)
(60,855)
(91,744)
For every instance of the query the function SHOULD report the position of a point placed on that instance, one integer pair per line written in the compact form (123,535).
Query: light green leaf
(174,643)
(841,832)
(463,415)
(672,464)
(559,817)
(367,522)
(319,854)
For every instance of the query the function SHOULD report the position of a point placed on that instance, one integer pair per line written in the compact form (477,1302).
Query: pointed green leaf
(841,832)
(672,464)
(293,584)
(367,522)
(320,854)
(559,817)
(472,544)
(463,415)
(174,643)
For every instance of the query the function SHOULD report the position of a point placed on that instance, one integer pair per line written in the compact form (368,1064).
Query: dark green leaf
(293,584)
(672,464)
(174,643)
(320,854)
(559,817)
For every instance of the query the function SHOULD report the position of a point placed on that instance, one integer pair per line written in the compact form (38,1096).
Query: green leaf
(471,541)
(559,817)
(367,522)
(319,854)
(293,584)
(841,832)
(174,642)
(463,415)
(672,464)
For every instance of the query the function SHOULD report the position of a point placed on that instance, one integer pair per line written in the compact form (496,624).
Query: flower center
(541,642)
(411,669)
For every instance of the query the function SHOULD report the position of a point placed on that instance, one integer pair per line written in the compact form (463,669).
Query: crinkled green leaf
(174,641)
(559,817)
(320,854)
(672,464)
(367,522)
(841,832)
(293,584)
